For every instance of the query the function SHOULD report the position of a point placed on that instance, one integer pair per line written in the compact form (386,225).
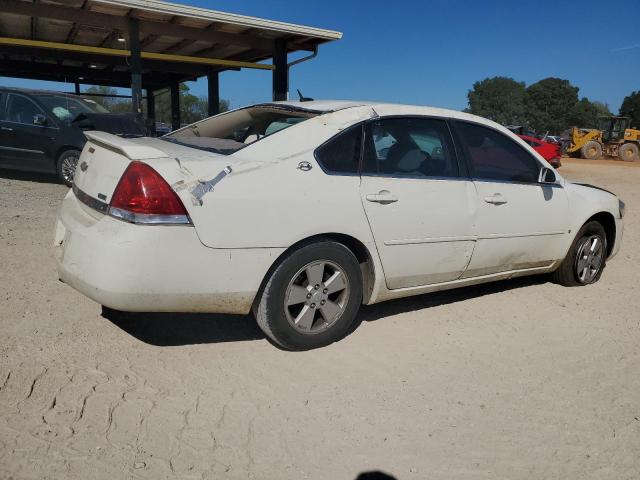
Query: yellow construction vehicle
(613,138)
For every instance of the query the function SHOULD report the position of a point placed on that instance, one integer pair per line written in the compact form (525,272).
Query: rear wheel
(591,150)
(66,166)
(586,258)
(629,152)
(311,299)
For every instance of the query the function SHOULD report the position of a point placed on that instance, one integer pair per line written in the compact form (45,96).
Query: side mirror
(547,176)
(39,119)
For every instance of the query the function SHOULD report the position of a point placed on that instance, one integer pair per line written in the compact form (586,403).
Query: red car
(550,151)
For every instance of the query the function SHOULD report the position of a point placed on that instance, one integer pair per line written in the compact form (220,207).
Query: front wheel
(629,152)
(66,166)
(591,150)
(586,258)
(312,298)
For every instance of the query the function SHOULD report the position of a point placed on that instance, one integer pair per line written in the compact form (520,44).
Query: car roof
(30,91)
(328,106)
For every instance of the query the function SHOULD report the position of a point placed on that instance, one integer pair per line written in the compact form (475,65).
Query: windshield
(66,107)
(229,132)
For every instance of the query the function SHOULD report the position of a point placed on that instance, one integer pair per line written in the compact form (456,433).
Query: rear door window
(412,147)
(21,109)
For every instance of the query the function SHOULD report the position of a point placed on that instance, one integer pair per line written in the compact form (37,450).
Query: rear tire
(591,150)
(66,166)
(629,152)
(583,264)
(312,297)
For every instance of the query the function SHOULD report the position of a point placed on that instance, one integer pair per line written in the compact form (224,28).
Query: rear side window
(412,147)
(20,109)
(341,154)
(494,156)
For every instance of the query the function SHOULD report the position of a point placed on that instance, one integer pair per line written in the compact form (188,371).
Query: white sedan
(303,211)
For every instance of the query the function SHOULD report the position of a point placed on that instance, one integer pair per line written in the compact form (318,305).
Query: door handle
(496,199)
(6,129)
(383,196)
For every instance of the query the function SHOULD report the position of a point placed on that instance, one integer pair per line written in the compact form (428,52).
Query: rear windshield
(229,132)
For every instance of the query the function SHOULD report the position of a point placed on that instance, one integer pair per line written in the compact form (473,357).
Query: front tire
(591,150)
(586,258)
(629,152)
(312,298)
(66,166)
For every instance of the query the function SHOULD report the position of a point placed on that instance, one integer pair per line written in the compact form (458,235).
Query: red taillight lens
(143,196)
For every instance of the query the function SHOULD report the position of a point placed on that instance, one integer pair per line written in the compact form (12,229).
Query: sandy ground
(516,380)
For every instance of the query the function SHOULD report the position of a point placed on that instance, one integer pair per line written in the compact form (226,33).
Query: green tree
(550,103)
(500,99)
(585,113)
(192,107)
(110,103)
(631,108)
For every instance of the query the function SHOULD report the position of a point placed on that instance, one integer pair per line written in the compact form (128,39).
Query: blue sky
(431,52)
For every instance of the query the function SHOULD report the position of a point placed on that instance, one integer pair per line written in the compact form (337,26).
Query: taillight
(143,196)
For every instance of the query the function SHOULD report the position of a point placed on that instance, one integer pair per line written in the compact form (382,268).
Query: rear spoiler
(129,149)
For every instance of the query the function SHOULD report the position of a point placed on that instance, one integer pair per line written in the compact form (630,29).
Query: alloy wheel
(316,297)
(68,167)
(589,258)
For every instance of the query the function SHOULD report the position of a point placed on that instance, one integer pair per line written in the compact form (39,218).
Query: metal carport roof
(143,43)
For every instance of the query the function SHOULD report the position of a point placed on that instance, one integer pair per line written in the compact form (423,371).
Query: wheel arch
(63,149)
(608,222)
(359,249)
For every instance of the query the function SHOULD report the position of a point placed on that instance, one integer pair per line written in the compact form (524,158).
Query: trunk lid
(192,173)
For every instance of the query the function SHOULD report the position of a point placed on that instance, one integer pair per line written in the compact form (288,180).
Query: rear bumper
(154,268)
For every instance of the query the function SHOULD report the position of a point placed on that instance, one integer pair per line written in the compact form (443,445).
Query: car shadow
(428,300)
(30,176)
(179,329)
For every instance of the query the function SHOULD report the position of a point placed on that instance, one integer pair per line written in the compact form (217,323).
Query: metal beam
(75,28)
(177,47)
(84,17)
(280,76)
(113,52)
(34,23)
(151,111)
(63,73)
(155,67)
(175,106)
(136,67)
(213,91)
(148,40)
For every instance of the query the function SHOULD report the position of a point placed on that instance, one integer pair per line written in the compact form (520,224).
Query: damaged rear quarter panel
(264,199)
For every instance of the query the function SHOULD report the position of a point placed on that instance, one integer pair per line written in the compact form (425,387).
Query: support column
(77,88)
(151,111)
(136,66)
(280,74)
(213,90)
(175,106)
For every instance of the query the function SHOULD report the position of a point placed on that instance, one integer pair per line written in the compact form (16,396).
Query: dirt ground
(515,380)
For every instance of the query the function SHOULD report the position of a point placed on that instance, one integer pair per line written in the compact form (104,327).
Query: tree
(110,103)
(192,108)
(631,108)
(549,104)
(500,99)
(585,113)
